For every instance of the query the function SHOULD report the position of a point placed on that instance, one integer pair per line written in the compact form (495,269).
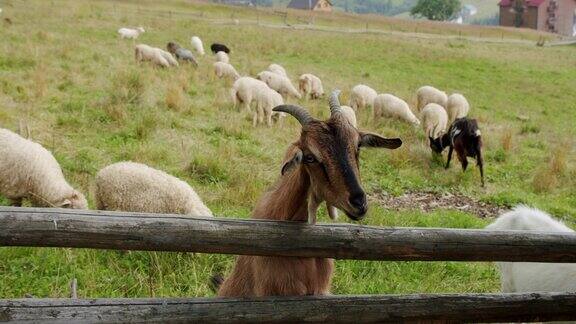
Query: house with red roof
(315,5)
(555,16)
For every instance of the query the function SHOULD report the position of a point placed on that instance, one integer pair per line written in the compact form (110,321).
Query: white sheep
(135,187)
(278,69)
(243,91)
(310,85)
(29,171)
(168,57)
(155,55)
(222,57)
(391,106)
(197,45)
(225,70)
(266,99)
(130,33)
(362,96)
(457,107)
(279,83)
(429,94)
(349,114)
(532,276)
(434,120)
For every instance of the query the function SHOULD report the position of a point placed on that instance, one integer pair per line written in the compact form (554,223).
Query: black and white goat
(464,137)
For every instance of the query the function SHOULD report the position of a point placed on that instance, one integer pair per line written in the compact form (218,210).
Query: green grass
(65,74)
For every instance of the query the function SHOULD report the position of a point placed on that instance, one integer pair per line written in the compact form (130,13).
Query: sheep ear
(294,161)
(66,204)
(375,140)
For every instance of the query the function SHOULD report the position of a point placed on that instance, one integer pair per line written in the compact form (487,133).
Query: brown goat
(321,166)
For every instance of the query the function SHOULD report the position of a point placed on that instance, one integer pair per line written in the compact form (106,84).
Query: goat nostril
(358,200)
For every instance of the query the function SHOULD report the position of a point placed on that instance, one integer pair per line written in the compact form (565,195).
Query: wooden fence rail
(330,309)
(134,231)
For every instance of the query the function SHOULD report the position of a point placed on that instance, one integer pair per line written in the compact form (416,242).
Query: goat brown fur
(321,166)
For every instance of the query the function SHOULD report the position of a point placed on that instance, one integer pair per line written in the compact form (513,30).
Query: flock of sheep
(30,171)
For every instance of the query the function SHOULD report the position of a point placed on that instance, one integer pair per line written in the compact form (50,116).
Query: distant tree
(436,9)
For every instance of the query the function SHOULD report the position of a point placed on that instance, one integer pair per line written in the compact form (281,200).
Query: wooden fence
(150,232)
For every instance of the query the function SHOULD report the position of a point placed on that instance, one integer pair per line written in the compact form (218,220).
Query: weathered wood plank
(134,231)
(331,309)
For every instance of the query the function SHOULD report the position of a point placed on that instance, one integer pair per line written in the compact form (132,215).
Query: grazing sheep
(429,94)
(516,277)
(225,70)
(130,33)
(197,45)
(464,137)
(243,91)
(168,57)
(155,55)
(362,96)
(434,122)
(181,53)
(135,187)
(388,105)
(29,171)
(311,85)
(278,69)
(457,107)
(279,83)
(222,57)
(266,100)
(215,48)
(350,115)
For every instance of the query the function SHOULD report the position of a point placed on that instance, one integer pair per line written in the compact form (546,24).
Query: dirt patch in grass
(428,201)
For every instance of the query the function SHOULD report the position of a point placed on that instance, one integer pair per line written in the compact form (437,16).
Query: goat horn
(301,114)
(334,102)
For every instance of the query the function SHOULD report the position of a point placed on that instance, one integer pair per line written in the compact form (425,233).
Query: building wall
(506,17)
(565,17)
(529,18)
(537,17)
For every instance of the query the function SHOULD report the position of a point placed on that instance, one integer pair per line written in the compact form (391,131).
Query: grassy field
(65,74)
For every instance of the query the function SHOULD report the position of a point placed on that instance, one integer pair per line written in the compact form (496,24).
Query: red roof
(529,3)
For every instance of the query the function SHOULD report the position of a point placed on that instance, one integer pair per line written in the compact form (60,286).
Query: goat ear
(294,161)
(375,140)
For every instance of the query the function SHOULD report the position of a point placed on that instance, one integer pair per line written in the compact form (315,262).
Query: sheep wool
(130,33)
(310,85)
(225,70)
(429,94)
(350,115)
(29,171)
(279,83)
(243,91)
(362,96)
(197,45)
(135,187)
(278,69)
(457,107)
(391,106)
(181,53)
(144,53)
(266,100)
(434,120)
(222,57)
(531,276)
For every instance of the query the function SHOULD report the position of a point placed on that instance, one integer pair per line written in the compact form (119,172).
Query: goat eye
(309,158)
